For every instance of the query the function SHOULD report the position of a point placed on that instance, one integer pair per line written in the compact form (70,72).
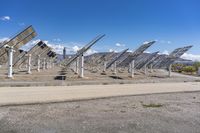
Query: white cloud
(58,48)
(147,52)
(164,41)
(29,45)
(146,42)
(5,18)
(75,48)
(120,45)
(130,51)
(90,51)
(165,52)
(57,40)
(169,42)
(191,57)
(112,50)
(4,39)
(21,24)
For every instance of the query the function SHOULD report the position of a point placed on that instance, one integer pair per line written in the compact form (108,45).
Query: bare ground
(57,77)
(166,113)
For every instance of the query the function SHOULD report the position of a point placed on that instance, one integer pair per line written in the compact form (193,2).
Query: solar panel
(165,61)
(17,41)
(116,58)
(39,49)
(22,58)
(26,40)
(84,49)
(144,60)
(21,36)
(135,54)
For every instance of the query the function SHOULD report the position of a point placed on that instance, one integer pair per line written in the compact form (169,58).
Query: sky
(126,23)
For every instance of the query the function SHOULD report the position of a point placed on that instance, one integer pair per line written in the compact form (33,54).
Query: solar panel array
(17,41)
(39,49)
(115,58)
(135,54)
(143,60)
(164,61)
(123,58)
(84,49)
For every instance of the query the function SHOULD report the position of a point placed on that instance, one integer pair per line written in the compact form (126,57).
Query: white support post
(151,68)
(44,64)
(29,64)
(132,64)
(77,65)
(20,67)
(53,64)
(104,67)
(115,67)
(47,64)
(38,63)
(145,70)
(81,66)
(130,67)
(198,71)
(50,63)
(170,70)
(10,62)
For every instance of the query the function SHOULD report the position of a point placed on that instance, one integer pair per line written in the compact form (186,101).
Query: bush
(177,67)
(189,69)
(196,65)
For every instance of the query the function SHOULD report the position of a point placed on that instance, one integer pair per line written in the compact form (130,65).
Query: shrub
(177,67)
(189,69)
(196,65)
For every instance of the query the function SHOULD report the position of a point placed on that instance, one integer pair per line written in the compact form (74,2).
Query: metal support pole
(170,70)
(77,65)
(115,67)
(130,67)
(132,64)
(198,73)
(151,68)
(38,63)
(104,67)
(50,63)
(29,64)
(47,65)
(145,70)
(44,64)
(81,66)
(10,62)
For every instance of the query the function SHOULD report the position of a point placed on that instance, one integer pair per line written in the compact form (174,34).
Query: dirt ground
(156,113)
(56,77)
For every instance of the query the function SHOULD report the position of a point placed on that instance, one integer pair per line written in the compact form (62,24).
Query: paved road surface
(30,95)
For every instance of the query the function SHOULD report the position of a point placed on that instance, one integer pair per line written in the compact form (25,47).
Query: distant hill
(98,55)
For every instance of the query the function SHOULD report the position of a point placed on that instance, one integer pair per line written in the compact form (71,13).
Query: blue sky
(173,23)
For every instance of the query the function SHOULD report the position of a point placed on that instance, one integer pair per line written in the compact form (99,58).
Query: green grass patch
(152,105)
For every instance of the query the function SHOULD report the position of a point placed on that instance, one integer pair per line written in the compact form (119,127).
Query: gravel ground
(158,113)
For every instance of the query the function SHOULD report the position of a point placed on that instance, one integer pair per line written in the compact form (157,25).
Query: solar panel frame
(17,41)
(141,63)
(172,57)
(135,54)
(109,64)
(84,49)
